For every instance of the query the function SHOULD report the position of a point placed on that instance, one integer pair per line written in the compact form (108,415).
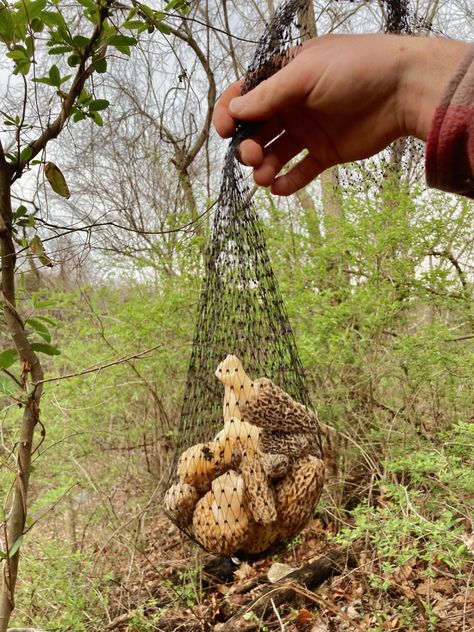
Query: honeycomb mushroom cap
(259,495)
(275,410)
(297,495)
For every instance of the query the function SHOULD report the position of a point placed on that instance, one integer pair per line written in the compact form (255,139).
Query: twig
(466,594)
(275,610)
(123,618)
(460,338)
(98,368)
(24,630)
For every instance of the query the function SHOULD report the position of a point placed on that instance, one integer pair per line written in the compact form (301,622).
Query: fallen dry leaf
(350,612)
(444,586)
(424,588)
(245,571)
(239,600)
(304,618)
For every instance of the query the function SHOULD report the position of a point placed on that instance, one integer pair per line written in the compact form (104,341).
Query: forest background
(376,273)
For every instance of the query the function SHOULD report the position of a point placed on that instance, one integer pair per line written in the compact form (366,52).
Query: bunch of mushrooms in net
(258,481)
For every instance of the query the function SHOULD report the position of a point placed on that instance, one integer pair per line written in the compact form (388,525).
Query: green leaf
(25,155)
(18,54)
(84,97)
(46,319)
(78,116)
(59,50)
(30,9)
(56,179)
(122,43)
(40,347)
(62,36)
(100,65)
(22,68)
(3,555)
(88,4)
(21,58)
(73,60)
(46,80)
(21,211)
(134,24)
(40,328)
(15,546)
(55,76)
(7,25)
(123,40)
(15,120)
(39,303)
(148,11)
(7,358)
(7,385)
(96,117)
(37,25)
(28,222)
(163,28)
(177,5)
(98,104)
(53,18)
(80,42)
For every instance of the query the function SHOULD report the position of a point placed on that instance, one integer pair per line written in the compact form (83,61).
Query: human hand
(342,98)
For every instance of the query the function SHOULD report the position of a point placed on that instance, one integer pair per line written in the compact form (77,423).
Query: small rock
(278,571)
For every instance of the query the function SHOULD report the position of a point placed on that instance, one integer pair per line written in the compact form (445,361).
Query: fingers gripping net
(248,471)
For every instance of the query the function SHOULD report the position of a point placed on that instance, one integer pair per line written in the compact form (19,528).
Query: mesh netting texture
(248,471)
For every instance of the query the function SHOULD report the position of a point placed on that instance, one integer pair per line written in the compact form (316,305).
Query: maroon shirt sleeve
(450,147)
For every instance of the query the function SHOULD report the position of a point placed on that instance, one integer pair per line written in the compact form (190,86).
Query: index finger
(222,119)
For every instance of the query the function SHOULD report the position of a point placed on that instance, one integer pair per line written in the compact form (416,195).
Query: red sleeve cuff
(450,146)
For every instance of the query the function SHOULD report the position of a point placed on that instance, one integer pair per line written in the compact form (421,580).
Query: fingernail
(236,106)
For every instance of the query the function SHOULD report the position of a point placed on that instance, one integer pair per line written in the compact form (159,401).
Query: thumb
(286,87)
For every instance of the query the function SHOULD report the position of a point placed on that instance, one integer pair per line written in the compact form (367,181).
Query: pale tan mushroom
(179,502)
(239,388)
(198,465)
(237,434)
(220,519)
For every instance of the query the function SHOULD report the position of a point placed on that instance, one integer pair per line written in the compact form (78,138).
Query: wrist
(426,66)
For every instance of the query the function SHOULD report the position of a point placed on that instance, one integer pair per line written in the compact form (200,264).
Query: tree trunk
(332,207)
(17,512)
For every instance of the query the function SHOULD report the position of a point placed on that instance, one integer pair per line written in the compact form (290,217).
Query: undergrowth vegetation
(383,318)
